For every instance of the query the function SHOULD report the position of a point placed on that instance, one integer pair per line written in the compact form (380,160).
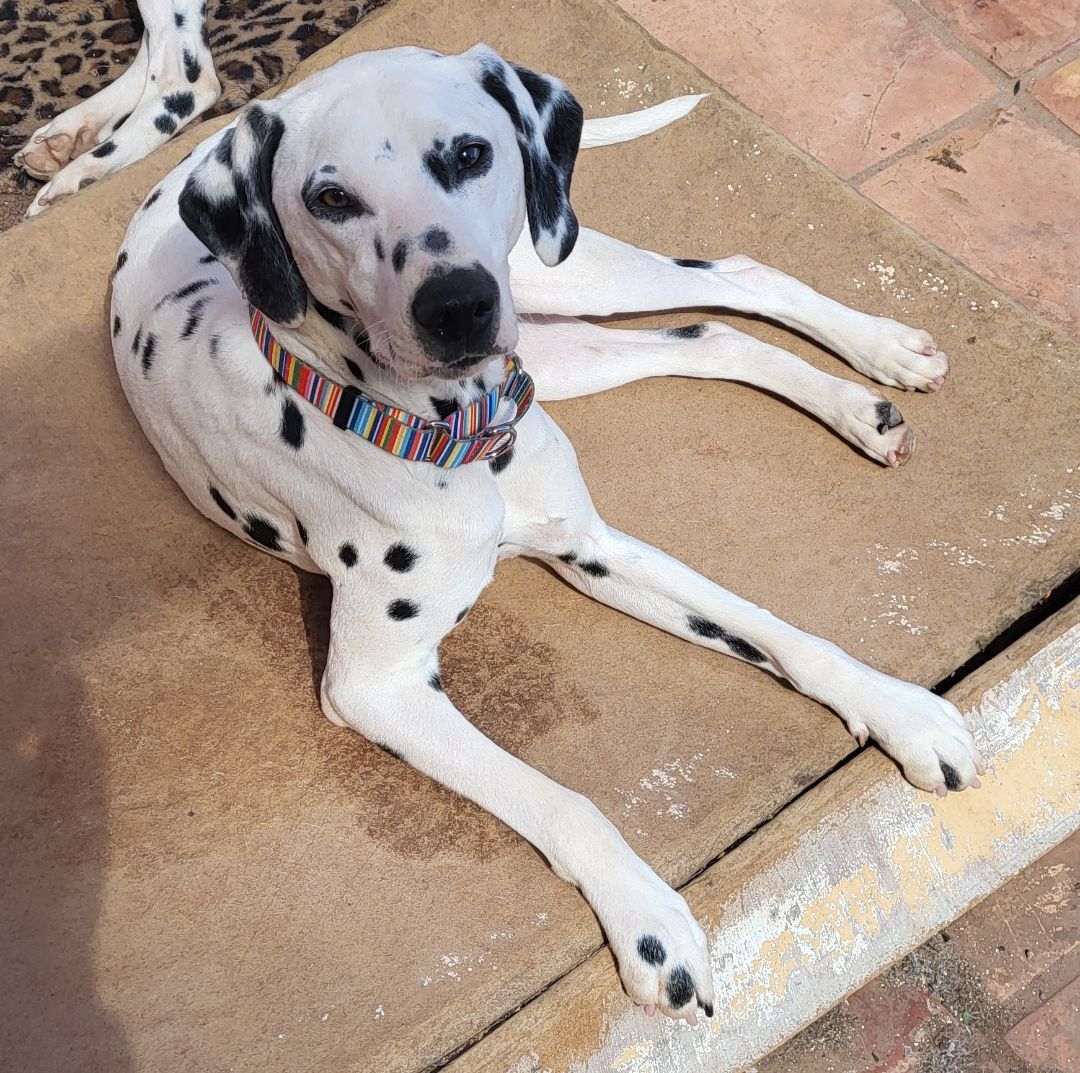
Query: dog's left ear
(227,203)
(548,123)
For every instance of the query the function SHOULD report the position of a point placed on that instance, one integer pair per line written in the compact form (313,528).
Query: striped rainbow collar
(464,436)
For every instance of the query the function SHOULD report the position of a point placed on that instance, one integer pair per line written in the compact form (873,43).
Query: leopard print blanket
(54,53)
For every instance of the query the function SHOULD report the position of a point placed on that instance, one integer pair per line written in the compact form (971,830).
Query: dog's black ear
(227,203)
(548,123)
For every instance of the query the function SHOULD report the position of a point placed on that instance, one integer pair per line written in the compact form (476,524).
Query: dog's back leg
(389,690)
(170,82)
(604,276)
(568,357)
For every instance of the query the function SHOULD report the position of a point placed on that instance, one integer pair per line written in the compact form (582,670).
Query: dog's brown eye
(469,155)
(334,198)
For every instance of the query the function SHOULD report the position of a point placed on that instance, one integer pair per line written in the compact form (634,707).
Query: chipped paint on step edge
(872,880)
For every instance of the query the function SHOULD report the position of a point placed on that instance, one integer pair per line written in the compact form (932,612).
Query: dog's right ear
(227,203)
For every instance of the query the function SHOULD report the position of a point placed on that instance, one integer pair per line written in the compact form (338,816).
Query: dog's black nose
(455,312)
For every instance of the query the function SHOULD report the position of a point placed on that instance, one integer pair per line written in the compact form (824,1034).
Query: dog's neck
(336,346)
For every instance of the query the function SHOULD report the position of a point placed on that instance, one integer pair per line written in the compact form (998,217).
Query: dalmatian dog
(362,239)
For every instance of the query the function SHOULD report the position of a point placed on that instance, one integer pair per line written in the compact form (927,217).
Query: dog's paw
(922,732)
(660,948)
(894,354)
(872,423)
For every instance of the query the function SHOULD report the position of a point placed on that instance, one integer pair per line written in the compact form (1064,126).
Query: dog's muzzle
(456,314)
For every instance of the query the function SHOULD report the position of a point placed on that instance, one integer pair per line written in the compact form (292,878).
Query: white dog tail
(608,130)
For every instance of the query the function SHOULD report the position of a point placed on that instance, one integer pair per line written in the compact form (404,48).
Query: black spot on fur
(120,122)
(104,149)
(687,331)
(152,198)
(115,326)
(209,259)
(443,407)
(400,557)
(302,531)
(680,987)
(436,240)
(88,181)
(594,568)
(178,18)
(219,499)
(703,627)
(568,557)
(888,416)
(347,554)
(706,1008)
(435,681)
(185,292)
(499,463)
(165,123)
(952,776)
(120,261)
(194,317)
(192,67)
(136,341)
(181,103)
(292,425)
(354,369)
(690,262)
(397,258)
(651,950)
(461,614)
(331,316)
(379,251)
(262,532)
(215,344)
(400,610)
(149,347)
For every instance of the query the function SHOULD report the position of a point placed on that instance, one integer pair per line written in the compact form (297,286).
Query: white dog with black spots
(374,215)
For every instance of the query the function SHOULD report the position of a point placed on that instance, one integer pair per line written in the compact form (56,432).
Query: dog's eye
(334,198)
(469,155)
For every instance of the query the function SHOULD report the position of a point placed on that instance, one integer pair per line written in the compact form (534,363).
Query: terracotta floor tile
(1050,1037)
(851,97)
(1060,92)
(1004,197)
(1014,34)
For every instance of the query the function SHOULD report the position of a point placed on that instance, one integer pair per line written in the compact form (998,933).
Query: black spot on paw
(594,568)
(690,262)
(262,532)
(223,505)
(461,614)
(687,331)
(347,554)
(181,103)
(120,261)
(166,124)
(680,987)
(292,425)
(192,67)
(151,199)
(888,416)
(400,557)
(704,627)
(88,181)
(435,681)
(105,149)
(400,610)
(115,326)
(302,531)
(706,1008)
(500,463)
(651,950)
(952,776)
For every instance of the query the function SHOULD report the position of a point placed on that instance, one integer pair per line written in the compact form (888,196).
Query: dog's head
(392,187)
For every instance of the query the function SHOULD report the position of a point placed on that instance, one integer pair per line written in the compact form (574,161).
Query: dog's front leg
(396,700)
(550,515)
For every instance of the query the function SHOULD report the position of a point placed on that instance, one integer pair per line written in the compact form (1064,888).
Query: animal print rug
(54,53)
